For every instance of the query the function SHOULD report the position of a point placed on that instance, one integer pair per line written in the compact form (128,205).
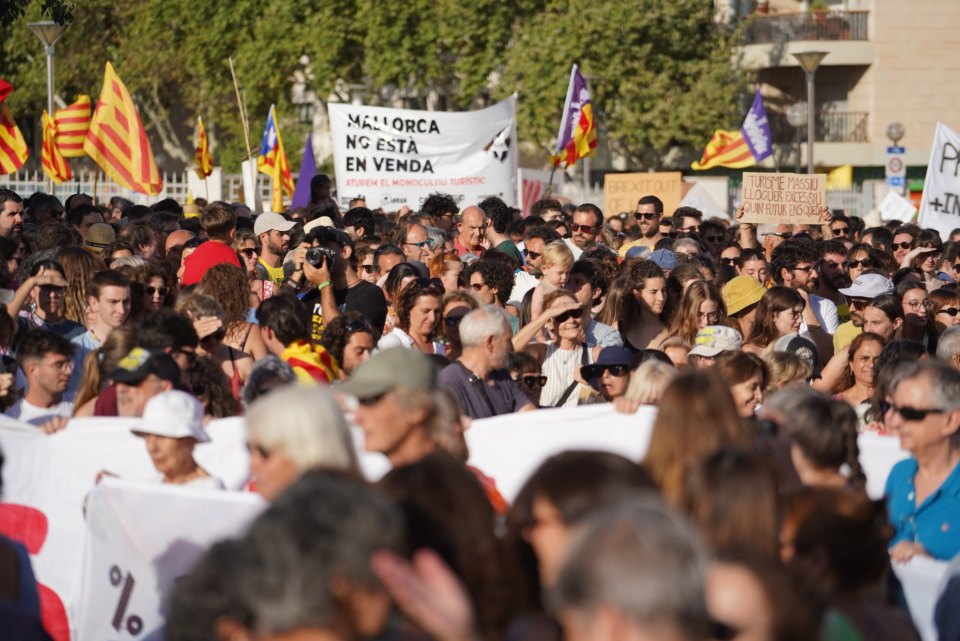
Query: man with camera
(329,264)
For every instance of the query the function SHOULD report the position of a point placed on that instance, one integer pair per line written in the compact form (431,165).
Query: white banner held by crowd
(396,157)
(940,205)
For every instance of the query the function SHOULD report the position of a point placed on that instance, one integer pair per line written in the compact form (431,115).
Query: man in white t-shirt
(46,360)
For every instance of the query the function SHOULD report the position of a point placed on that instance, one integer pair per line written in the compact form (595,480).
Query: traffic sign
(896,170)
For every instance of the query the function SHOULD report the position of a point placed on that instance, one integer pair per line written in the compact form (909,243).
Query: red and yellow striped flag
(203,158)
(726,149)
(72,124)
(51,159)
(117,141)
(13,148)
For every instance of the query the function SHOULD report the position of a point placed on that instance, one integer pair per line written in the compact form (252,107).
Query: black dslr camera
(316,255)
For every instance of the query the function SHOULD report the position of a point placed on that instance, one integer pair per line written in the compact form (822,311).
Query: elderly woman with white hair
(294,429)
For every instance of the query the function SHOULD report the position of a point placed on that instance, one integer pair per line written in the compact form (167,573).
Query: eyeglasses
(952,311)
(567,315)
(904,245)
(368,268)
(420,245)
(533,381)
(805,268)
(259,449)
(162,291)
(250,252)
(532,255)
(640,216)
(596,371)
(728,261)
(52,289)
(370,401)
(713,239)
(581,228)
(866,263)
(916,304)
(840,231)
(858,302)
(909,413)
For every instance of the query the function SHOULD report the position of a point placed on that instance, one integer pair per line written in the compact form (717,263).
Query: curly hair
(408,300)
(208,382)
(337,333)
(437,204)
(228,284)
(79,266)
(242,236)
(495,274)
(154,269)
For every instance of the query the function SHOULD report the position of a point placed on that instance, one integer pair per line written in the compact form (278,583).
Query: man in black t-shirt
(338,287)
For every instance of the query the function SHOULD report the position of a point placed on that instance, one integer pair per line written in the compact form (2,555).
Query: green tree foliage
(660,73)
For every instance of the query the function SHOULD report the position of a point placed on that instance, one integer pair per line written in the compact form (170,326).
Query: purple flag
(756,130)
(577,136)
(308,169)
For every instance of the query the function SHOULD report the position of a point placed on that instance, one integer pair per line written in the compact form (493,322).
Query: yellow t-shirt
(845,334)
(275,273)
(640,242)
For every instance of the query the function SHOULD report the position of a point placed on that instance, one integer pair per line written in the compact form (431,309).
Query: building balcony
(807,26)
(831,126)
(769,41)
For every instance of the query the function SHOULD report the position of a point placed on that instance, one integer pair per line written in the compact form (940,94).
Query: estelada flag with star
(117,141)
(272,161)
(13,148)
(577,137)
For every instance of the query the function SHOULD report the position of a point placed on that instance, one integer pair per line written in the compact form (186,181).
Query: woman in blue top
(923,492)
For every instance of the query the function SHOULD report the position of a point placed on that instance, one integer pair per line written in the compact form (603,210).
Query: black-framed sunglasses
(567,315)
(640,216)
(162,290)
(368,269)
(909,413)
(532,255)
(952,311)
(728,261)
(840,231)
(858,302)
(250,252)
(532,381)
(581,228)
(866,263)
(596,371)
(904,245)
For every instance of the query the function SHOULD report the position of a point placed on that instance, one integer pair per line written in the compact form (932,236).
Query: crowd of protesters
(767,350)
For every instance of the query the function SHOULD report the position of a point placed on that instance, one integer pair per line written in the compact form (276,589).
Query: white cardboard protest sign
(784,198)
(139,540)
(896,207)
(395,157)
(940,204)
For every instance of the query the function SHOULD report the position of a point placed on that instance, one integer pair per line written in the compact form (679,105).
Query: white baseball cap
(174,414)
(270,221)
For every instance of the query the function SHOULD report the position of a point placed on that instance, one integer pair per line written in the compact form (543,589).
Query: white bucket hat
(175,414)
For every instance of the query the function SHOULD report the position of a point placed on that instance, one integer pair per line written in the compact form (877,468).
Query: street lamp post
(809,61)
(797,116)
(48,32)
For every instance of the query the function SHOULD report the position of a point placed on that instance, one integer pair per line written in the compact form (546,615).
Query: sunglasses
(729,261)
(713,239)
(567,315)
(259,449)
(581,228)
(163,291)
(953,311)
(640,216)
(858,302)
(908,413)
(903,245)
(596,371)
(533,381)
(52,289)
(807,269)
(840,231)
(532,255)
(368,269)
(420,245)
(250,252)
(866,263)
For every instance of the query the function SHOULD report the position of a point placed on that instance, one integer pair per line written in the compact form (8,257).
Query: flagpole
(241,107)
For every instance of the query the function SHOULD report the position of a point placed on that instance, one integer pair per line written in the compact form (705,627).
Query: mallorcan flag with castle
(743,148)
(117,141)
(578,129)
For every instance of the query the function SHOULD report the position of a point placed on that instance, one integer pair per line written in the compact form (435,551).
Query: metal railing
(811,25)
(831,126)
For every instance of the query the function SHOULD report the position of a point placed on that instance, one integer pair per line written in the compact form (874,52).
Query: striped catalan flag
(726,149)
(13,148)
(204,161)
(72,123)
(117,141)
(51,159)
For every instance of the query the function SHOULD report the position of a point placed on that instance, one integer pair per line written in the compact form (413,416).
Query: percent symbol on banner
(134,623)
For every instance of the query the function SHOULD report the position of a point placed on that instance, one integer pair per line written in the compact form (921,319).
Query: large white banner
(940,205)
(396,157)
